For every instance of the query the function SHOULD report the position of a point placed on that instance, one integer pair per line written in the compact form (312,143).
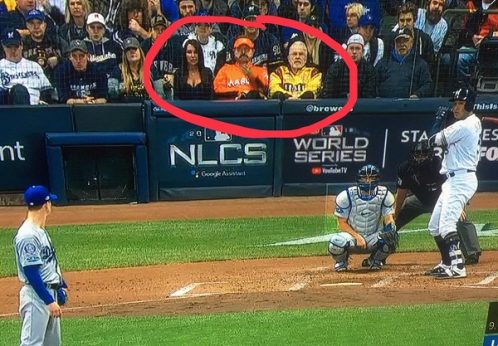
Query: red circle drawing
(238,130)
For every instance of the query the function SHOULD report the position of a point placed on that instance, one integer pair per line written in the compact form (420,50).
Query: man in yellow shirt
(296,80)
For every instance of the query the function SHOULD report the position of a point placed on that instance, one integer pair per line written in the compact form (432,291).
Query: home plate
(342,284)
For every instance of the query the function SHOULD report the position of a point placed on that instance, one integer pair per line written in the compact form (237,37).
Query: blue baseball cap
(366,20)
(11,37)
(35,14)
(38,195)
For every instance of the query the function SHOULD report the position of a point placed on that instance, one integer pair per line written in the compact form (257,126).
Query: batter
(461,142)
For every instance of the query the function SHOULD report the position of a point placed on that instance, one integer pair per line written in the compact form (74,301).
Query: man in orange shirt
(242,79)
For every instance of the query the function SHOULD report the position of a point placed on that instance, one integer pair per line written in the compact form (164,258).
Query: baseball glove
(61,296)
(390,237)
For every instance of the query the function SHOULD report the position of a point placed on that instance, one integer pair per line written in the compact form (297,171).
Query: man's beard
(433,17)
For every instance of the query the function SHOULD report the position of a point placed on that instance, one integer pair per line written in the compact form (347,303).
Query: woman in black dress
(193,81)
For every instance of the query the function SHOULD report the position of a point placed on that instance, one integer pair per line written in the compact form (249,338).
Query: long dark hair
(198,48)
(141,5)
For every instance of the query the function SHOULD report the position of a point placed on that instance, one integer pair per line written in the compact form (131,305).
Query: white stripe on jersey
(27,73)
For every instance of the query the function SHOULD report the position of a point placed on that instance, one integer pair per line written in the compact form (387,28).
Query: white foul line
(184,290)
(489,279)
(342,284)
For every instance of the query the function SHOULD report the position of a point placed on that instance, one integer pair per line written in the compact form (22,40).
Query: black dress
(184,91)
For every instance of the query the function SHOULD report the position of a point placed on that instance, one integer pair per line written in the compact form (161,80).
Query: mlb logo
(216,136)
(316,170)
(333,131)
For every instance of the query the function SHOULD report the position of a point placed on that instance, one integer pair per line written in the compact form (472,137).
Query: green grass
(459,324)
(135,244)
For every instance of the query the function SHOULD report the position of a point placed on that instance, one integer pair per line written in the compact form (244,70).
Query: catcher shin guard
(379,256)
(338,249)
(456,269)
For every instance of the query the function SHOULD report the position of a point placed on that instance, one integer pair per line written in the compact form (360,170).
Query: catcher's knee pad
(337,245)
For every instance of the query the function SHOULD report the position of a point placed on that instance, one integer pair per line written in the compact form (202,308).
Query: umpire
(419,175)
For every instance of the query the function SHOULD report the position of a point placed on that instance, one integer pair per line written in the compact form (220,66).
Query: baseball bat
(490,120)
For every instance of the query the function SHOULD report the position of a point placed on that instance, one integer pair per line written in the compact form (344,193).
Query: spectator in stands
(17,18)
(354,11)
(213,49)
(288,9)
(430,20)
(186,8)
(319,54)
(79,81)
(241,79)
(295,80)
(52,8)
(104,52)
(337,15)
(337,79)
(76,13)
(267,7)
(134,21)
(267,52)
(21,81)
(403,73)
(158,24)
(129,75)
(166,61)
(214,7)
(373,51)
(39,47)
(407,15)
(169,10)
(478,26)
(304,10)
(109,9)
(193,81)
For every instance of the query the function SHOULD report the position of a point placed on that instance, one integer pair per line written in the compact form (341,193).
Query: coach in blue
(79,81)
(43,291)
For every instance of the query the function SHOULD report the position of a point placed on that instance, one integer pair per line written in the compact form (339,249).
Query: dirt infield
(249,285)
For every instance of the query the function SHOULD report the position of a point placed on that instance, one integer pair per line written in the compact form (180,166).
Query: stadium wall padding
(186,161)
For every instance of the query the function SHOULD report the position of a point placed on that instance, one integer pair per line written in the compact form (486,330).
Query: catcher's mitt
(390,237)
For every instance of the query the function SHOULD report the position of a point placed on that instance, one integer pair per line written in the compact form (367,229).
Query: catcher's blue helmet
(465,94)
(367,181)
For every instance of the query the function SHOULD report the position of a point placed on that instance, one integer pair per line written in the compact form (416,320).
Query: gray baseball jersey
(34,247)
(365,217)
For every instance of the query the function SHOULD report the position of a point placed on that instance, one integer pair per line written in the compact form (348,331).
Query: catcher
(365,217)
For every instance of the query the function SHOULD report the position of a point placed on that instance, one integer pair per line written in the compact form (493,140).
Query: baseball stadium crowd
(92,51)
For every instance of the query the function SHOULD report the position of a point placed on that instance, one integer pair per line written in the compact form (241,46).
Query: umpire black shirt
(423,180)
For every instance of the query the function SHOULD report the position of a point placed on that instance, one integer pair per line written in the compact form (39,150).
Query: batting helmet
(467,95)
(421,151)
(367,181)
